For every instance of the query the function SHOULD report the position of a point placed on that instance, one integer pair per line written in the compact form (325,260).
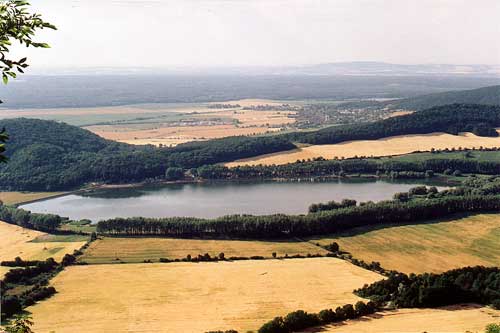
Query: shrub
(492,328)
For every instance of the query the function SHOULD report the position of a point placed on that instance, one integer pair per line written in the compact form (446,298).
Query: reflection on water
(215,199)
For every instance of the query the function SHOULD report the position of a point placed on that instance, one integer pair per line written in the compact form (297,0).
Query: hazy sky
(193,33)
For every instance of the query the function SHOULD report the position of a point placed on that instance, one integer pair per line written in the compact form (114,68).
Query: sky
(212,33)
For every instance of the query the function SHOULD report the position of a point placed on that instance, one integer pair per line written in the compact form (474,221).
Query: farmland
(395,145)
(34,245)
(202,123)
(459,242)
(457,318)
(172,123)
(188,297)
(3,270)
(136,250)
(12,198)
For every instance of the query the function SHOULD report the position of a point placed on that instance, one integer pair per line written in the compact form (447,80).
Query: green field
(476,155)
(88,229)
(436,246)
(49,238)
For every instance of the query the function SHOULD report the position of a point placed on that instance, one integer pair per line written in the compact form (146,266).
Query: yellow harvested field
(431,247)
(16,242)
(174,135)
(451,319)
(199,123)
(396,145)
(194,298)
(11,198)
(4,270)
(399,113)
(137,250)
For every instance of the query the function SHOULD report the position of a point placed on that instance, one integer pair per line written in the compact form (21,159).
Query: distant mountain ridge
(332,68)
(388,69)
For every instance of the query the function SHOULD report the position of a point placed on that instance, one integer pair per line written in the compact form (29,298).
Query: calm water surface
(215,199)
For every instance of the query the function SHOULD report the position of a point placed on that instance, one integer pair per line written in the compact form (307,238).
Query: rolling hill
(486,95)
(47,156)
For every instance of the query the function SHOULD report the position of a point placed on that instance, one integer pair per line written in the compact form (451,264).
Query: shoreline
(440,180)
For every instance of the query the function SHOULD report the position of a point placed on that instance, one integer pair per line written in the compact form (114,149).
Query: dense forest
(464,285)
(46,155)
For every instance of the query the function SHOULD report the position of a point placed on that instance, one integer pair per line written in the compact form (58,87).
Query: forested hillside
(486,96)
(46,155)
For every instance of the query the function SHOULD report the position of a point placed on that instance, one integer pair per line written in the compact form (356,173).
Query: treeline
(470,284)
(330,205)
(26,219)
(318,168)
(300,320)
(324,222)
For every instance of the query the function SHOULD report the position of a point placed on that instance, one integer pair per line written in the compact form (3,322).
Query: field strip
(450,319)
(395,145)
(13,198)
(136,250)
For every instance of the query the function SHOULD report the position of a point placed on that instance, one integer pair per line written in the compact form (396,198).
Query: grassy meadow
(436,246)
(136,250)
(193,298)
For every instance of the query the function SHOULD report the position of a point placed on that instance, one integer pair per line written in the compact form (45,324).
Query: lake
(216,199)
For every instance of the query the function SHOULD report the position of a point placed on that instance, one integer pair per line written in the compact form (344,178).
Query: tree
(20,324)
(16,24)
(173,173)
(3,138)
(401,196)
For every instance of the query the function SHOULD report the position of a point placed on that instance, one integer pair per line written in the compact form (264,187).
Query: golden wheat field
(18,242)
(450,319)
(107,250)
(3,270)
(395,145)
(431,247)
(194,298)
(12,198)
(173,135)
